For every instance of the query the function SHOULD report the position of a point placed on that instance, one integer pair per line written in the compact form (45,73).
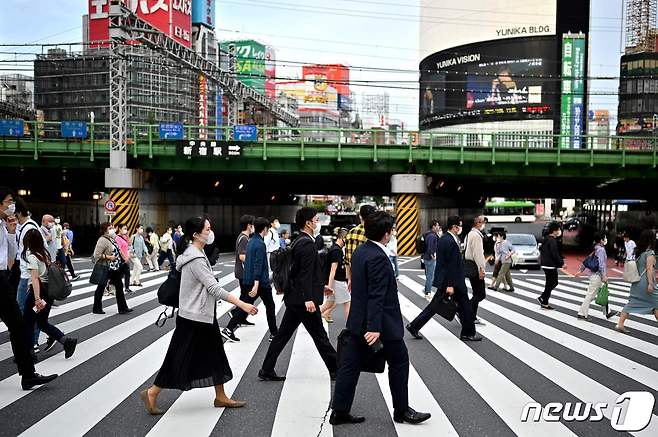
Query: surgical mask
(112,233)
(210,239)
(459,230)
(11,209)
(140,231)
(316,231)
(559,233)
(440,233)
(50,225)
(604,241)
(57,220)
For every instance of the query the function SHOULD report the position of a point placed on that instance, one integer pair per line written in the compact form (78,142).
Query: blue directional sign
(171,131)
(11,128)
(73,129)
(247,132)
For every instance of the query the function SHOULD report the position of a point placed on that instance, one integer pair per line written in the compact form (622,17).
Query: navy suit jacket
(375,306)
(255,264)
(449,265)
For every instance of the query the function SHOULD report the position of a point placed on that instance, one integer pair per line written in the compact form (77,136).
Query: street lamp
(97,196)
(23,192)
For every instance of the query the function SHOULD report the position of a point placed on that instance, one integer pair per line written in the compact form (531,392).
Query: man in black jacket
(375,318)
(551,261)
(303,300)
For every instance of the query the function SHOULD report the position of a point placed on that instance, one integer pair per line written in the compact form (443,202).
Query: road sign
(11,128)
(209,148)
(110,213)
(73,129)
(171,131)
(110,205)
(247,132)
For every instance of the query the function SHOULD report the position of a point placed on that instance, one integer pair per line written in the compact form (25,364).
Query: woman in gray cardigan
(196,356)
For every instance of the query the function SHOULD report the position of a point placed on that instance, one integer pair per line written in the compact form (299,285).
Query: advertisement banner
(336,75)
(270,72)
(203,12)
(566,106)
(250,62)
(219,121)
(203,106)
(181,21)
(572,118)
(578,89)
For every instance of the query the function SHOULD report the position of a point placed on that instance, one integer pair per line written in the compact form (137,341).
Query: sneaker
(75,278)
(36,349)
(492,288)
(271,338)
(580,317)
(229,335)
(246,323)
(50,343)
(428,297)
(611,314)
(128,290)
(479,322)
(69,347)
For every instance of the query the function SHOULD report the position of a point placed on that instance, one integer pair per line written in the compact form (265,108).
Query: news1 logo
(633,415)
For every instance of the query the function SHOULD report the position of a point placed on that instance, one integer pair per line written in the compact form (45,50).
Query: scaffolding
(640,26)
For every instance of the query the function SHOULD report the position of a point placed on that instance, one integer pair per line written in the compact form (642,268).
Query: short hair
(503,234)
(121,225)
(261,223)
(434,222)
(377,225)
(245,221)
(21,207)
(273,219)
(104,227)
(284,232)
(66,225)
(149,230)
(304,215)
(598,237)
(139,225)
(366,211)
(453,220)
(4,192)
(476,219)
(553,226)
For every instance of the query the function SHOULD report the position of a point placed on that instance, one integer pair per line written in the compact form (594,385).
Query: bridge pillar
(124,185)
(407,187)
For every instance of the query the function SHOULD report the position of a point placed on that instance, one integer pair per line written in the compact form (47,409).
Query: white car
(526,249)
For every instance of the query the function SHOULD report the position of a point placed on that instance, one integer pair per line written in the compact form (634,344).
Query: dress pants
(69,265)
(18,335)
(465,311)
(292,318)
(551,283)
(479,292)
(397,358)
(265,293)
(114,277)
(136,272)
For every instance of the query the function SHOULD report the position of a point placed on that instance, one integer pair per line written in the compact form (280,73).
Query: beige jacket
(475,248)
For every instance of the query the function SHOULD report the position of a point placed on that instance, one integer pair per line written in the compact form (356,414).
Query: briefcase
(445,306)
(370,362)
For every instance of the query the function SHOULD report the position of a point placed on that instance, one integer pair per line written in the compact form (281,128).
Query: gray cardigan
(199,290)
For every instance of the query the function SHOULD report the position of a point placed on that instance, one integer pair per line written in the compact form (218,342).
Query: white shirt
(4,245)
(20,236)
(272,242)
(630,250)
(392,246)
(382,247)
(58,235)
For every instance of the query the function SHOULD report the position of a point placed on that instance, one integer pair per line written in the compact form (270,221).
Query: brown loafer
(152,409)
(232,404)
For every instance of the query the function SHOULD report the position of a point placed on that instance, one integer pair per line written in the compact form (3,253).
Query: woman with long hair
(196,356)
(107,254)
(38,303)
(643,297)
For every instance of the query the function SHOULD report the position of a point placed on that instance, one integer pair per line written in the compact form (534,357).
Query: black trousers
(265,293)
(292,318)
(69,265)
(479,293)
(347,378)
(40,319)
(21,342)
(551,283)
(169,255)
(465,311)
(115,278)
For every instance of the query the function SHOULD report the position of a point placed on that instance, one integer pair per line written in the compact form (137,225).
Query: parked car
(526,248)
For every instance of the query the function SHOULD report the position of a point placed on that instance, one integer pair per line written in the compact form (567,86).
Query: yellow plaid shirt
(354,239)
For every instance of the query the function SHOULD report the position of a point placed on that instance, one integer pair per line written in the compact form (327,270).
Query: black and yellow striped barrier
(127,210)
(407,223)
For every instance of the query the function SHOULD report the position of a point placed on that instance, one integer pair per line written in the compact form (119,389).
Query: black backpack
(59,285)
(421,245)
(281,261)
(169,290)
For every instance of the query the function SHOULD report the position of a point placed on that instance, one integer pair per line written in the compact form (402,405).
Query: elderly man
(49,235)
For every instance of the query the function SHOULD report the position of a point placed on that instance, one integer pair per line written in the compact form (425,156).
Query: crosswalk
(528,355)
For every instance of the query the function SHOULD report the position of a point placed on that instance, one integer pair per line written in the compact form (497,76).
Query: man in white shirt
(630,246)
(272,242)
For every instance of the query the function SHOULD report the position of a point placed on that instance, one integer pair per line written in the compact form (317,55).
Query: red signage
(203,105)
(181,21)
(337,75)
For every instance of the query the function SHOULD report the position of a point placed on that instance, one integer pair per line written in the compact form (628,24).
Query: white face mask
(459,230)
(210,239)
(112,233)
(316,231)
(559,232)
(57,220)
(11,209)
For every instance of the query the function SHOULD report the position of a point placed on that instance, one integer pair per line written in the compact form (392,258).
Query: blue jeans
(21,297)
(430,267)
(396,268)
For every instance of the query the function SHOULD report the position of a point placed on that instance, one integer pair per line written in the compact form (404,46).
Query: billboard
(171,17)
(203,12)
(490,81)
(444,24)
(270,72)
(203,105)
(311,96)
(250,62)
(572,91)
(337,75)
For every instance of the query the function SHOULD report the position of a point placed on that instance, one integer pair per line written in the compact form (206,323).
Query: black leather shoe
(247,323)
(343,418)
(29,382)
(411,416)
(98,312)
(69,347)
(269,376)
(414,333)
(474,337)
(126,311)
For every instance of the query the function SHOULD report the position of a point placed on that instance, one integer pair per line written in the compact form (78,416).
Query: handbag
(445,305)
(99,273)
(371,362)
(602,295)
(591,263)
(631,273)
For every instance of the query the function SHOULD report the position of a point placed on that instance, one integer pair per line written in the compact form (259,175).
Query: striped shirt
(354,239)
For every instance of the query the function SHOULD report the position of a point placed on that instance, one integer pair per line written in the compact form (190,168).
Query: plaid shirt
(354,239)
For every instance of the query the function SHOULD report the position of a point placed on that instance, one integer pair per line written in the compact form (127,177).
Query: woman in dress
(643,297)
(336,278)
(196,356)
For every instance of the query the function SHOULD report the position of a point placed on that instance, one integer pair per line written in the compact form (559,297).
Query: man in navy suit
(376,317)
(449,278)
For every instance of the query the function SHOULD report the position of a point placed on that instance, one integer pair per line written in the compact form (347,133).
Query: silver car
(526,249)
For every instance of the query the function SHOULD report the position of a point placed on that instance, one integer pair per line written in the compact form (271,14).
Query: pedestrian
(302,300)
(39,303)
(497,263)
(196,357)
(643,297)
(154,240)
(256,279)
(19,337)
(450,280)
(429,256)
(336,279)
(67,243)
(138,250)
(475,263)
(629,247)
(123,241)
(166,249)
(178,234)
(107,253)
(597,278)
(504,252)
(59,244)
(284,239)
(272,239)
(48,232)
(551,260)
(392,247)
(355,237)
(375,318)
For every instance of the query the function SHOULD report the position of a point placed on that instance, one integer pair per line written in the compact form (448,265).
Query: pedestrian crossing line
(621,292)
(307,378)
(615,362)
(92,287)
(192,414)
(423,401)
(579,293)
(502,395)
